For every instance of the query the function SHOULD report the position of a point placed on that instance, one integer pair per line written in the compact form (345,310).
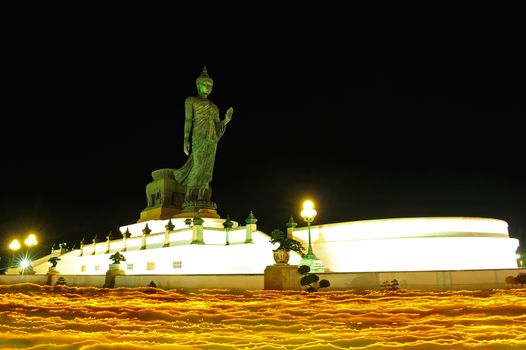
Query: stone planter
(115,266)
(281,256)
(114,270)
(52,271)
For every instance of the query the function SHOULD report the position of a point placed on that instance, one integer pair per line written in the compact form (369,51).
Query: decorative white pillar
(94,244)
(146,231)
(169,228)
(108,238)
(250,227)
(291,224)
(125,236)
(82,246)
(197,233)
(227,224)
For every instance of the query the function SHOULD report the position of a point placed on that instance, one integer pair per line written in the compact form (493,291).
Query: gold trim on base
(158,214)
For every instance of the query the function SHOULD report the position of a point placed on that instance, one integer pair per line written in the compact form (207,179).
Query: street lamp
(31,241)
(308,214)
(14,246)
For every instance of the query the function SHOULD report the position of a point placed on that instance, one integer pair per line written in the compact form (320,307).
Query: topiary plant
(54,260)
(117,258)
(310,281)
(61,281)
(278,236)
(393,285)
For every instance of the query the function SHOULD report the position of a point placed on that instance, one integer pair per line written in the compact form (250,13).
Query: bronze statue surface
(202,131)
(186,191)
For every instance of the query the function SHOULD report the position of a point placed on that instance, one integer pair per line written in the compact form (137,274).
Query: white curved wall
(214,257)
(413,244)
(407,244)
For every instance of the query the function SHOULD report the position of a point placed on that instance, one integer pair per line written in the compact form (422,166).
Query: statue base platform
(203,213)
(161,213)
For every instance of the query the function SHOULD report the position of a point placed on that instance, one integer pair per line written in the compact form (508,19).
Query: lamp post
(26,264)
(30,241)
(14,246)
(308,214)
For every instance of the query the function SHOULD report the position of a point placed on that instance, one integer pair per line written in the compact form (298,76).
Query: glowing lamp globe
(15,245)
(31,240)
(308,213)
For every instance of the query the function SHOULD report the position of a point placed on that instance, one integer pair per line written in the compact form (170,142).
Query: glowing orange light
(125,317)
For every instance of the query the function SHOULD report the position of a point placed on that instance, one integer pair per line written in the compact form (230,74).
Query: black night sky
(368,122)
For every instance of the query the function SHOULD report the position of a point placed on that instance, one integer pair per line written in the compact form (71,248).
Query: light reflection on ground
(45,317)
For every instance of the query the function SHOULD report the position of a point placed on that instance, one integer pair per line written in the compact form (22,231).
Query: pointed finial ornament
(227,224)
(169,226)
(146,230)
(291,223)
(197,219)
(251,219)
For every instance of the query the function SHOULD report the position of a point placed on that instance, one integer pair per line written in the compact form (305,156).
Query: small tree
(278,236)
(61,281)
(117,258)
(54,260)
(310,281)
(521,279)
(521,259)
(152,284)
(393,285)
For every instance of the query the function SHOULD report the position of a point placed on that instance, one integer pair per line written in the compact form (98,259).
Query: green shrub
(310,281)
